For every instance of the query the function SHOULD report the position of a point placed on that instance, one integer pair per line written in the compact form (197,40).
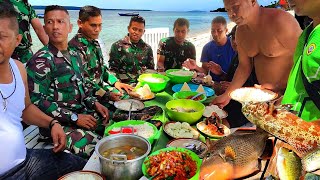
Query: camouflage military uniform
(26,13)
(96,72)
(57,87)
(128,59)
(174,53)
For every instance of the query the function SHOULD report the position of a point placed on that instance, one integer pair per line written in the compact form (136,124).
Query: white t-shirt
(13,149)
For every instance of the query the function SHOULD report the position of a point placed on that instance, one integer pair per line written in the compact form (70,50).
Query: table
(160,100)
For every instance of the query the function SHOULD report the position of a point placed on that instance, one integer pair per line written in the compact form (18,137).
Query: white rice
(181,73)
(214,108)
(251,95)
(82,176)
(153,79)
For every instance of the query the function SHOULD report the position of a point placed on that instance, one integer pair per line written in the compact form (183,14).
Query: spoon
(197,95)
(130,111)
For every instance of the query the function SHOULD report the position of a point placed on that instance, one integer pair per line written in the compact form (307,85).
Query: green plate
(193,156)
(134,122)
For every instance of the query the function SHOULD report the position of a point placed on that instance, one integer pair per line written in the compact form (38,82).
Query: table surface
(93,163)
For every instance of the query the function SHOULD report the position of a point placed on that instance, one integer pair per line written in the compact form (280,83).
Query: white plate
(201,126)
(252,94)
(125,105)
(82,175)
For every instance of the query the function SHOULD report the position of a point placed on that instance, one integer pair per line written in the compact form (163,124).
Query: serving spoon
(197,95)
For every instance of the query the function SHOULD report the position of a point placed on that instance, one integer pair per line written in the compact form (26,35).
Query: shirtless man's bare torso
(268,36)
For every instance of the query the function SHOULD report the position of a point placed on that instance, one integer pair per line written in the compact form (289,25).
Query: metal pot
(122,169)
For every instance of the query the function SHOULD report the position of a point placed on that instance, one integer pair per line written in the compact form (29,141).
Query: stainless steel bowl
(122,169)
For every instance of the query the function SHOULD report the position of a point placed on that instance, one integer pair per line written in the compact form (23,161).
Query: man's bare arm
(38,28)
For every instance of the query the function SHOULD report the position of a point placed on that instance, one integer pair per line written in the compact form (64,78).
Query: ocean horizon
(114,27)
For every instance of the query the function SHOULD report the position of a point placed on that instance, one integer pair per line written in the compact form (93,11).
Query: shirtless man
(269,36)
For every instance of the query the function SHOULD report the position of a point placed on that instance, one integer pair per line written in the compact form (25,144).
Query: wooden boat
(128,14)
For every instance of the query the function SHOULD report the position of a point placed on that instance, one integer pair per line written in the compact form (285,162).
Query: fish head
(218,165)
(214,167)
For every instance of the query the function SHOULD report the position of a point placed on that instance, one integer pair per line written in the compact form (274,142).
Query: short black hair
(138,19)
(7,11)
(181,22)
(54,8)
(88,11)
(219,20)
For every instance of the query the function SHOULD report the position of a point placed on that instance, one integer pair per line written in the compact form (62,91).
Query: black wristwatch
(74,117)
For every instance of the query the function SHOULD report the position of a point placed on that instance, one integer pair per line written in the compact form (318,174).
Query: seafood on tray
(239,152)
(303,136)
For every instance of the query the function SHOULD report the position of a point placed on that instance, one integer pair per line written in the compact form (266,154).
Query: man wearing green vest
(304,80)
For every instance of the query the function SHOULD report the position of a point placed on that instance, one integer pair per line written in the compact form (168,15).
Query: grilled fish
(303,136)
(241,150)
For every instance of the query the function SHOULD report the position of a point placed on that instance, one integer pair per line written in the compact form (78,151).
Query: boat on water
(129,14)
(40,15)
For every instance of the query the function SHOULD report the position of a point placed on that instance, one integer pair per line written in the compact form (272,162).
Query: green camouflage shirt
(128,59)
(56,84)
(96,72)
(174,53)
(26,14)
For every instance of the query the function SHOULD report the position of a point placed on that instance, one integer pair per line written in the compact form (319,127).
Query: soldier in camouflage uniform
(96,73)
(57,86)
(175,50)
(131,56)
(26,16)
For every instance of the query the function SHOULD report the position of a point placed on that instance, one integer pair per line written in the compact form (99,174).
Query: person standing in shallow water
(17,162)
(173,51)
(271,48)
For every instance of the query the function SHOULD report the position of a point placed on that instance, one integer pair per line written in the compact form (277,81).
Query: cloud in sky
(161,5)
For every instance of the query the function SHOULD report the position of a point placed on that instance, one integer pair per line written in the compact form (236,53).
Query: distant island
(78,8)
(275,4)
(219,10)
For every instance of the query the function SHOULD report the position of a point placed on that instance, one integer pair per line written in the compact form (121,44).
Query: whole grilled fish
(288,164)
(241,150)
(303,136)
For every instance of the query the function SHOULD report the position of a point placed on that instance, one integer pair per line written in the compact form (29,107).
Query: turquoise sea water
(115,26)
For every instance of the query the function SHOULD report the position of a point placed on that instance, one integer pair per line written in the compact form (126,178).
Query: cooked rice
(82,176)
(181,73)
(214,108)
(251,95)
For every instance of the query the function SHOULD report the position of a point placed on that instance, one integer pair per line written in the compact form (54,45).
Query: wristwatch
(74,117)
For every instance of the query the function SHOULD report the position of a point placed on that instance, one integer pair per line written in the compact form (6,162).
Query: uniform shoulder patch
(311,48)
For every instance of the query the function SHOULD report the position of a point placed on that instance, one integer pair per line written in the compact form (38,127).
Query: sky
(157,5)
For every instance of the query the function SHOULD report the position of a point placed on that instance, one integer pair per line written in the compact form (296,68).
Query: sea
(114,27)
